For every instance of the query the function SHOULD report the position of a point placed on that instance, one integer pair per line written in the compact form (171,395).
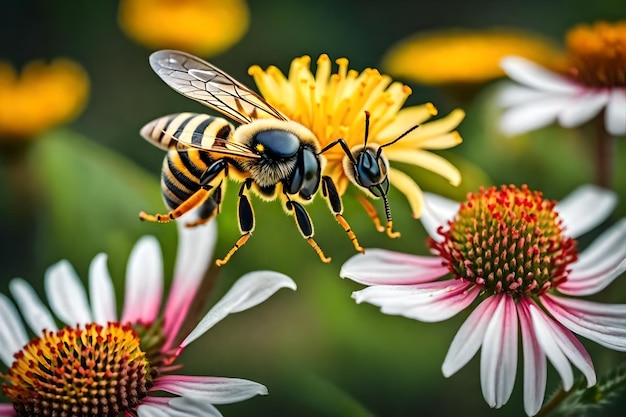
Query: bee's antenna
(380,149)
(367,127)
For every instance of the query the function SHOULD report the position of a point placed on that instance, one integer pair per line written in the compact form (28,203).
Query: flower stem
(554,402)
(603,150)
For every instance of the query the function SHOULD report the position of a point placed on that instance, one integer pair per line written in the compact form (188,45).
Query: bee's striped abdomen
(181,173)
(174,131)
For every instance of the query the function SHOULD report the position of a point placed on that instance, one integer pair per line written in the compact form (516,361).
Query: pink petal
(382,267)
(615,116)
(7,410)
(560,344)
(532,75)
(144,282)
(498,357)
(438,211)
(215,390)
(431,302)
(251,289)
(585,208)
(470,336)
(195,252)
(535,368)
(605,324)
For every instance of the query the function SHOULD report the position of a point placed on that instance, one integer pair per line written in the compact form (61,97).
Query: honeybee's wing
(209,85)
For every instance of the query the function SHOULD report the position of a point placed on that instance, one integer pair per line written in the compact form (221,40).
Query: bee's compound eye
(367,170)
(277,143)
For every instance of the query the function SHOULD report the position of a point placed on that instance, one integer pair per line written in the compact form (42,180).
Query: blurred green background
(77,189)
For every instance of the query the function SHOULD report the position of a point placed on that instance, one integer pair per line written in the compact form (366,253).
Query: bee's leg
(306,227)
(371,211)
(194,200)
(209,209)
(245,213)
(334,200)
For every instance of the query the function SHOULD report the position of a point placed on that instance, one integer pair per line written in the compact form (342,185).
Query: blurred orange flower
(40,97)
(202,27)
(457,56)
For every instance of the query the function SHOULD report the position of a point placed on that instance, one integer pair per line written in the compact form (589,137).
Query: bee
(268,154)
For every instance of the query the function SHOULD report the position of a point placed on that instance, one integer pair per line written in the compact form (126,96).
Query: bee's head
(369,170)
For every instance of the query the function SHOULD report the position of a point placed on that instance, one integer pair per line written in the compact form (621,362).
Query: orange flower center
(508,240)
(598,54)
(95,371)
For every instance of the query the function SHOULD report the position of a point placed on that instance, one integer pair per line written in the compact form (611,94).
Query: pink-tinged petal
(432,302)
(195,251)
(383,267)
(12,333)
(511,94)
(34,311)
(437,212)
(7,410)
(498,357)
(251,289)
(66,294)
(605,324)
(560,344)
(535,366)
(531,116)
(598,265)
(215,390)
(585,208)
(101,291)
(470,336)
(176,407)
(615,116)
(144,282)
(583,108)
(532,75)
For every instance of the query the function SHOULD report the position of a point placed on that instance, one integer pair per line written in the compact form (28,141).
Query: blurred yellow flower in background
(40,97)
(202,27)
(333,105)
(457,56)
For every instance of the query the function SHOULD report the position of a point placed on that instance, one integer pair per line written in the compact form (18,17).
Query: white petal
(382,267)
(585,208)
(532,75)
(615,117)
(251,289)
(194,254)
(101,291)
(583,108)
(530,116)
(535,368)
(470,336)
(215,390)
(601,263)
(34,311)
(498,357)
(66,294)
(438,211)
(430,302)
(12,333)
(511,94)
(193,407)
(144,282)
(605,324)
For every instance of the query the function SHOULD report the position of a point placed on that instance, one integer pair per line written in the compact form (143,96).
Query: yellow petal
(427,160)
(410,189)
(428,130)
(404,120)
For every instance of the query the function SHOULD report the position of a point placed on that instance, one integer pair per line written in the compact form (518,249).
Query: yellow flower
(203,27)
(333,106)
(42,96)
(465,56)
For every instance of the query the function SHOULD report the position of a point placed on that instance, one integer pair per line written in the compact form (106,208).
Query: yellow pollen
(598,54)
(259,147)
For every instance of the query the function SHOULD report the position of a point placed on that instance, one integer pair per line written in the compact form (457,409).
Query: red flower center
(508,240)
